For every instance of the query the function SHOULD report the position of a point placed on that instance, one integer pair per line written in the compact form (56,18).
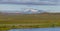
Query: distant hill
(32,11)
(25,11)
(28,11)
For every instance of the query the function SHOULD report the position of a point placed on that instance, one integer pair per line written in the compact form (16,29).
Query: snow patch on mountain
(26,11)
(31,11)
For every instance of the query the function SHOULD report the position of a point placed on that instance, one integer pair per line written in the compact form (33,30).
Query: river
(37,29)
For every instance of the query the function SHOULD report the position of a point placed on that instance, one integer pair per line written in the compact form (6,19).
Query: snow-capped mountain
(32,11)
(25,11)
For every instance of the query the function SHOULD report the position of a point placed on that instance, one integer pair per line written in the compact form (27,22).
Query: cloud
(35,2)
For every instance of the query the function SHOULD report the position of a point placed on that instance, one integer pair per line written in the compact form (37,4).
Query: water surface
(37,29)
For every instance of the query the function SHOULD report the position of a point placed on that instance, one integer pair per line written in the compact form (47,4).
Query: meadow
(15,21)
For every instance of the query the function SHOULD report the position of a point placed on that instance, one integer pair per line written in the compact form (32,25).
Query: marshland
(18,21)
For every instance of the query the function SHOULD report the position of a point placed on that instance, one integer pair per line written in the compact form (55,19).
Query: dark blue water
(37,29)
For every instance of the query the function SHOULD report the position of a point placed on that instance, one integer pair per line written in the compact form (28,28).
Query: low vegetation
(45,20)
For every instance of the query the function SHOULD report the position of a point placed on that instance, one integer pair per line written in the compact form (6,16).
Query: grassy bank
(29,20)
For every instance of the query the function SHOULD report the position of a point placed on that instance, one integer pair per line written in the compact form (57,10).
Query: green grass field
(29,20)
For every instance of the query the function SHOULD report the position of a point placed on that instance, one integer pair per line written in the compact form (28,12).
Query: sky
(18,7)
(30,1)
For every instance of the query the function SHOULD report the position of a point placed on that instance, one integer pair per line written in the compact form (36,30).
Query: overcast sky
(17,7)
(31,1)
